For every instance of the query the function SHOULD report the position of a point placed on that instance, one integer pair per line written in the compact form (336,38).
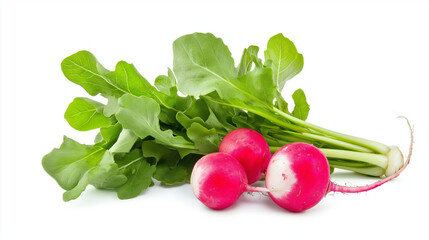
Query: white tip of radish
(396,161)
(197,174)
(281,178)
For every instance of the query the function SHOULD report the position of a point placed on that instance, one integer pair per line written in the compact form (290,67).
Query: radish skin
(218,180)
(297,176)
(250,149)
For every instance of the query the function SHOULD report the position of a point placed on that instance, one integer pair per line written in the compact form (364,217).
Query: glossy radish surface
(218,180)
(298,176)
(250,149)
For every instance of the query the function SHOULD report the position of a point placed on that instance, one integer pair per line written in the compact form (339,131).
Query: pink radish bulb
(250,149)
(218,180)
(298,177)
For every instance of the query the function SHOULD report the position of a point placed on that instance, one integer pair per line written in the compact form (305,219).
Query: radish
(298,176)
(218,180)
(250,149)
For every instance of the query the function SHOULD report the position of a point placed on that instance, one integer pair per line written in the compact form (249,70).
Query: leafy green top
(151,132)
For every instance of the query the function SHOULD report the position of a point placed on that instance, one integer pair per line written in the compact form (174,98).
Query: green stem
(279,122)
(290,138)
(371,158)
(274,142)
(185,146)
(376,146)
(371,171)
(346,163)
(128,164)
(331,141)
(378,160)
(220,132)
(271,117)
(338,143)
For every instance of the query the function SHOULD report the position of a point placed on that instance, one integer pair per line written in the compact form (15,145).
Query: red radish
(250,149)
(298,176)
(218,180)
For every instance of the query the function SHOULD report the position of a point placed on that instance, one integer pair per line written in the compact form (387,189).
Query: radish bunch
(297,176)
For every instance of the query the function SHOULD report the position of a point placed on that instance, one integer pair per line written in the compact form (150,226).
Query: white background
(366,62)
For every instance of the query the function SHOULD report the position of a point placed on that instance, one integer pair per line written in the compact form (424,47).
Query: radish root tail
(348,189)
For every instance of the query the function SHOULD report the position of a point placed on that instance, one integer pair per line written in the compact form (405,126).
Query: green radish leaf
(169,168)
(197,108)
(108,179)
(128,79)
(127,74)
(151,149)
(281,103)
(106,175)
(83,68)
(108,136)
(69,163)
(124,160)
(179,173)
(203,64)
(205,140)
(111,107)
(186,121)
(139,173)
(167,84)
(284,59)
(140,114)
(84,114)
(76,165)
(125,142)
(168,117)
(301,108)
(170,175)
(200,113)
(248,58)
(242,121)
(139,181)
(220,116)
(78,189)
(257,83)
(225,111)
